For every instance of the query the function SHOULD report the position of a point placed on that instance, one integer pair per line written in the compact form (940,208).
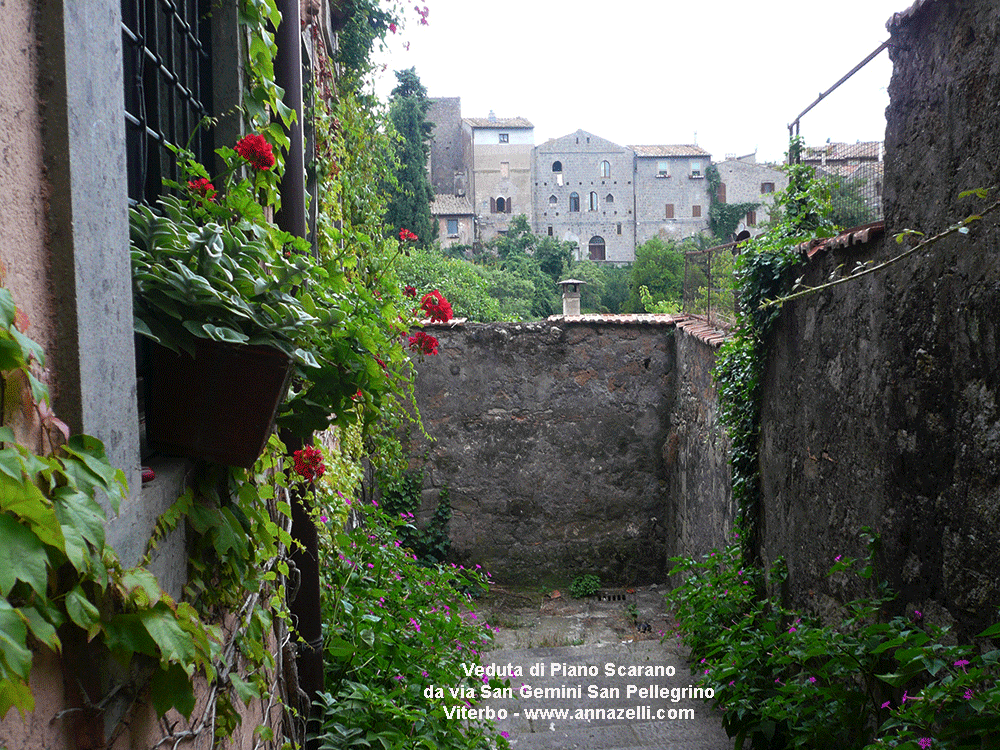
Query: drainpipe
(305,607)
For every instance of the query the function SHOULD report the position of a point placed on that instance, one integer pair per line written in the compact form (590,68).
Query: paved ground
(595,674)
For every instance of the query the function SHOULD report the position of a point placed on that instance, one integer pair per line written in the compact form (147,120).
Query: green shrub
(786,680)
(582,586)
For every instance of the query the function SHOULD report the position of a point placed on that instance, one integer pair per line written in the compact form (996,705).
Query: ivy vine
(763,272)
(723,218)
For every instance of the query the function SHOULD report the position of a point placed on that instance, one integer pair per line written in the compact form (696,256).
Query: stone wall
(560,444)
(881,395)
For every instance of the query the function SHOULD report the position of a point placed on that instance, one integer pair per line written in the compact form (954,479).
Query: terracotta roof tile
(499,122)
(674,150)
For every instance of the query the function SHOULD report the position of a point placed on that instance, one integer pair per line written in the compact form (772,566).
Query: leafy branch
(870,267)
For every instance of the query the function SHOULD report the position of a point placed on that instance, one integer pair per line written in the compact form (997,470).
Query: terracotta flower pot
(218,406)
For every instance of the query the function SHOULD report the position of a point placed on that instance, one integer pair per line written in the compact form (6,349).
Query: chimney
(571,296)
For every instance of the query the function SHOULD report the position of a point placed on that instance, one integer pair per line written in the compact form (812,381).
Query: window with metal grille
(167,63)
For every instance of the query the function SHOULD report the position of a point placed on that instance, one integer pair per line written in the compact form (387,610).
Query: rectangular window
(696,211)
(766,187)
(505,138)
(453,227)
(166,51)
(696,169)
(663,169)
(550,231)
(670,211)
(619,227)
(751,218)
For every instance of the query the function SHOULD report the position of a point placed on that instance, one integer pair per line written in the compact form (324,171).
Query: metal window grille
(167,60)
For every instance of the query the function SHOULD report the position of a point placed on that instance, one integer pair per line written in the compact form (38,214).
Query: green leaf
(143,585)
(171,688)
(16,694)
(81,610)
(161,624)
(82,521)
(41,628)
(8,310)
(22,557)
(245,690)
(15,656)
(990,632)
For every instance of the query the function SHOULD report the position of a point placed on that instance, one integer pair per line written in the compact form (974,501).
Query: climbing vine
(762,273)
(723,218)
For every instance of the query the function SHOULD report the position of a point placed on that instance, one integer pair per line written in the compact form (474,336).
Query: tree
(659,266)
(410,203)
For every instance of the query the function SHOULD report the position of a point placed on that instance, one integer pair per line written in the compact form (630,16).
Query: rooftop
(451,204)
(498,122)
(675,150)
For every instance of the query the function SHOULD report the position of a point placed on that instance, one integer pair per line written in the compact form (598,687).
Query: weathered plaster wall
(551,440)
(23,254)
(881,396)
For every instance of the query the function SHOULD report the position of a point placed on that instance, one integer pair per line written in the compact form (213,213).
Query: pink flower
(436,307)
(309,463)
(256,150)
(925,742)
(202,188)
(423,343)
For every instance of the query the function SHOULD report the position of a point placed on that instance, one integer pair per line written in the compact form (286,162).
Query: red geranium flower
(423,343)
(436,307)
(202,188)
(256,150)
(406,234)
(309,463)
(410,291)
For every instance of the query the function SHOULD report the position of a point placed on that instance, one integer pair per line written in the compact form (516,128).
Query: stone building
(579,188)
(583,193)
(455,219)
(743,180)
(671,192)
(497,155)
(447,163)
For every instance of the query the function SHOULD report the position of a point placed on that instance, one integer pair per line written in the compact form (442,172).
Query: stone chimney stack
(571,296)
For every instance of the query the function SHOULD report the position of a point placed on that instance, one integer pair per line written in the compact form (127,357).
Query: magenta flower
(925,742)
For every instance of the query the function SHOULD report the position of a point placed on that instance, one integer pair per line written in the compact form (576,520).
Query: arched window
(609,198)
(553,200)
(501,206)
(557,166)
(605,168)
(574,202)
(593,202)
(596,248)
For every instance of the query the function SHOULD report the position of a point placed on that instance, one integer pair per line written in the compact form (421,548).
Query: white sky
(643,72)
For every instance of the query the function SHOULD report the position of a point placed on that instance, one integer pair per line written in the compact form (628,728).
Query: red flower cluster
(406,234)
(436,307)
(423,343)
(410,291)
(256,150)
(202,188)
(309,463)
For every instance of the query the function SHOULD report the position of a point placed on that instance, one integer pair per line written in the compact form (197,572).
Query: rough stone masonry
(562,443)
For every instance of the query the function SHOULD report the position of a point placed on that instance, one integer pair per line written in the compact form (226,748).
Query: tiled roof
(677,150)
(839,151)
(452,205)
(652,319)
(856,236)
(498,122)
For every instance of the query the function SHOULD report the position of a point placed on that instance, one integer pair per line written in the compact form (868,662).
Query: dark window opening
(767,187)
(168,89)
(574,202)
(596,247)
(557,166)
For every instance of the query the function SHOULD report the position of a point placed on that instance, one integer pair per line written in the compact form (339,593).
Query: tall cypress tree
(410,205)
